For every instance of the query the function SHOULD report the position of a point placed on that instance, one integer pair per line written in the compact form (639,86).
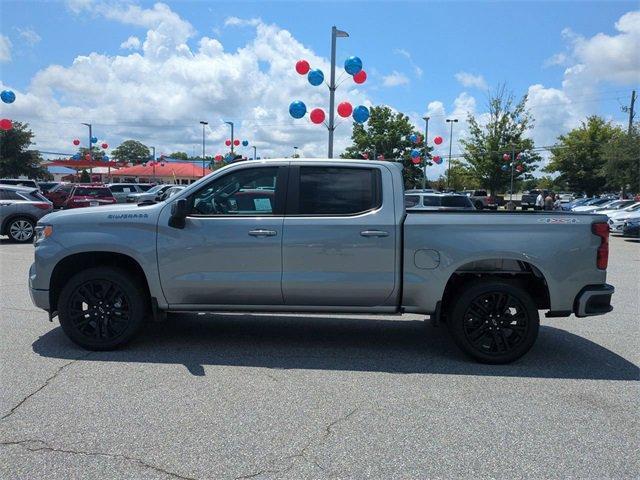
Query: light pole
(295,152)
(335,33)
(153,162)
(231,125)
(255,153)
(426,153)
(203,123)
(89,151)
(451,121)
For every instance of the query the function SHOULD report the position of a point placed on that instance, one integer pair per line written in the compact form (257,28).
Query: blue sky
(412,52)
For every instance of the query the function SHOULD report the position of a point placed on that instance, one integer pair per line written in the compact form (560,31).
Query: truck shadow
(338,343)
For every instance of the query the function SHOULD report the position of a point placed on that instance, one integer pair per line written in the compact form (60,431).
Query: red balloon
(302,67)
(236,142)
(506,157)
(218,158)
(76,142)
(228,143)
(5,124)
(415,160)
(360,77)
(345,109)
(519,168)
(87,157)
(105,146)
(437,159)
(418,139)
(437,140)
(519,156)
(365,155)
(317,115)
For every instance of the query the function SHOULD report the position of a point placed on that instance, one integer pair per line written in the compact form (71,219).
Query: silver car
(153,194)
(120,191)
(20,210)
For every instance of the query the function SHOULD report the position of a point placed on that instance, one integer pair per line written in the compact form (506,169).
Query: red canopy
(170,169)
(78,164)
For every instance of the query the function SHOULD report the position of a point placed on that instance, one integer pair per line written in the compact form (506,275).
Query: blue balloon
(413,138)
(360,114)
(504,167)
(297,109)
(76,156)
(315,77)
(352,65)
(245,143)
(94,139)
(8,96)
(105,158)
(415,153)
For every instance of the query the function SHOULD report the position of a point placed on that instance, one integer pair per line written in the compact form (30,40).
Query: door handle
(263,233)
(374,233)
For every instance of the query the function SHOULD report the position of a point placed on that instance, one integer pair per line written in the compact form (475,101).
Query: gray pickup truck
(317,236)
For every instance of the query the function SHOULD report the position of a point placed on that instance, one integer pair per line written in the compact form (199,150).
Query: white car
(616,222)
(614,207)
(601,202)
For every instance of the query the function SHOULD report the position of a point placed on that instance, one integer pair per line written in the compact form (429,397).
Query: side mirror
(178,213)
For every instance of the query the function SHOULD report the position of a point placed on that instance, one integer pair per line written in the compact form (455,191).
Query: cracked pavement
(317,396)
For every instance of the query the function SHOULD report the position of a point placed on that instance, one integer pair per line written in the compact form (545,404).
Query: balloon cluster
(7,96)
(415,153)
(353,66)
(236,142)
(519,167)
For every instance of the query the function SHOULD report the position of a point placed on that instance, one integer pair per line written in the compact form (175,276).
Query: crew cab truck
(317,236)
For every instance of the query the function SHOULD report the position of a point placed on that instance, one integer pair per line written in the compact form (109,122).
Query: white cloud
(5,49)
(241,22)
(131,43)
(555,59)
(77,6)
(395,79)
(29,36)
(158,95)
(404,53)
(469,80)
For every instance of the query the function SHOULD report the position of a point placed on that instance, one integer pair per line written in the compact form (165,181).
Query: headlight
(42,232)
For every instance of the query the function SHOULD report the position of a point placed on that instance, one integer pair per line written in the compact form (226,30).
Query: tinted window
(481,193)
(92,192)
(116,188)
(431,201)
(245,192)
(338,191)
(9,195)
(144,188)
(454,201)
(411,200)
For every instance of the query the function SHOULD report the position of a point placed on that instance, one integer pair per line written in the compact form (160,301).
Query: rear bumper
(593,300)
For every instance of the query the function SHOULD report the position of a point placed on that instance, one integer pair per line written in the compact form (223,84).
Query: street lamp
(426,152)
(295,152)
(335,33)
(231,125)
(153,162)
(89,151)
(203,123)
(255,153)
(451,121)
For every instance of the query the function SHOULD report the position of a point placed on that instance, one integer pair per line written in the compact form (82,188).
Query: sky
(153,70)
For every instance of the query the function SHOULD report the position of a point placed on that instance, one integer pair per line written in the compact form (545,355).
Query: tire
(490,330)
(479,205)
(524,208)
(102,308)
(21,229)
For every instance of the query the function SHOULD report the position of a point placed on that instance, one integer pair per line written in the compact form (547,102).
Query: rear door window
(431,201)
(454,201)
(337,191)
(411,200)
(9,195)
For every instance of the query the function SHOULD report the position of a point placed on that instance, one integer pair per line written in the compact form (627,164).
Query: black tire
(493,321)
(524,208)
(21,229)
(479,205)
(102,308)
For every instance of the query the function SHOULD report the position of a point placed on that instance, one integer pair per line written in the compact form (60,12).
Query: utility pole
(451,121)
(426,153)
(630,110)
(203,125)
(90,151)
(231,125)
(255,153)
(335,33)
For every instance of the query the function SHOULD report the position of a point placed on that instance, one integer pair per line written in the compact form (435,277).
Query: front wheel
(102,308)
(21,229)
(494,321)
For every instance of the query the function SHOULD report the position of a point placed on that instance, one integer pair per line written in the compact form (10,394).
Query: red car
(58,194)
(88,196)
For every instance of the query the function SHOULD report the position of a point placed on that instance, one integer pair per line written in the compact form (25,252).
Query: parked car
(153,194)
(614,206)
(171,192)
(89,196)
(632,228)
(318,235)
(120,191)
(528,199)
(575,203)
(59,194)
(437,201)
(47,186)
(565,197)
(617,220)
(19,182)
(592,204)
(481,199)
(20,210)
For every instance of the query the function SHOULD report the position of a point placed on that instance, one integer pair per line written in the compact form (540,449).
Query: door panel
(338,260)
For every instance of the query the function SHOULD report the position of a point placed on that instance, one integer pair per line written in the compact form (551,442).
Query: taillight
(602,230)
(42,205)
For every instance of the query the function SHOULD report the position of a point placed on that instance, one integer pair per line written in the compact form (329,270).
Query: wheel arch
(74,263)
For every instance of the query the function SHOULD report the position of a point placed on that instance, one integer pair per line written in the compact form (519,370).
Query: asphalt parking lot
(273,396)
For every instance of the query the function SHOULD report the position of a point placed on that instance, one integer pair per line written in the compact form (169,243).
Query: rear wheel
(101,308)
(478,205)
(21,229)
(494,321)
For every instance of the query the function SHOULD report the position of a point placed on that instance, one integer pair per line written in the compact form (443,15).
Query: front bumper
(40,298)
(593,300)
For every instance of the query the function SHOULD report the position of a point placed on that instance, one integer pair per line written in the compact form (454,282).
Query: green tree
(462,177)
(503,133)
(132,151)
(387,133)
(579,155)
(84,176)
(622,161)
(97,153)
(15,157)
(179,155)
